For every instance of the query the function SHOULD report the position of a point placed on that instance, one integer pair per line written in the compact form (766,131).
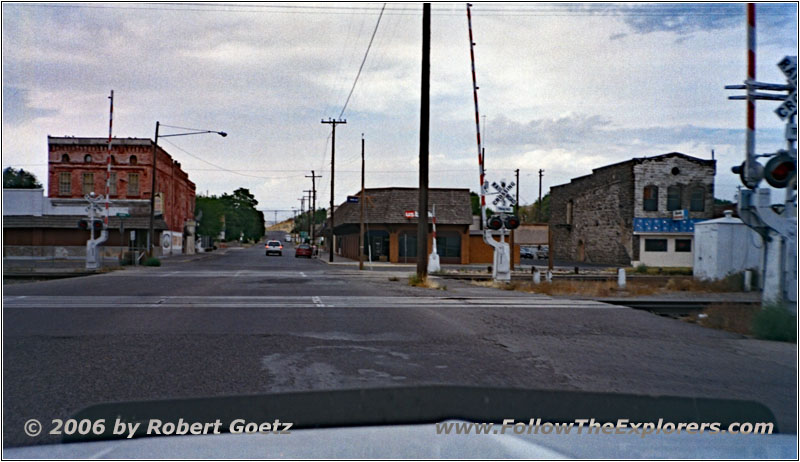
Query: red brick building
(77,166)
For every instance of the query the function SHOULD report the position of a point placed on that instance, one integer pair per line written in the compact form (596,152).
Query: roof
(71,222)
(388,205)
(73,140)
(639,160)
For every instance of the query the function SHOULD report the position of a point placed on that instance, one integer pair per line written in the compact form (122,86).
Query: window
(673,198)
(698,199)
(676,171)
(113,160)
(376,244)
(655,245)
(448,245)
(651,198)
(64,183)
(64,157)
(570,206)
(407,245)
(133,184)
(683,245)
(133,160)
(88,183)
(112,184)
(87,158)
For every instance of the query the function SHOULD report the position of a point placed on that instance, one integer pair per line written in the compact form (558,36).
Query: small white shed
(724,246)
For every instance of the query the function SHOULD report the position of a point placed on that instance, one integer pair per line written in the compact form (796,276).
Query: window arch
(650,195)
(87,158)
(697,199)
(673,198)
(64,157)
(133,160)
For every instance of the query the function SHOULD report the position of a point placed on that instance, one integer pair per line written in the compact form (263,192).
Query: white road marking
(317,301)
(303,274)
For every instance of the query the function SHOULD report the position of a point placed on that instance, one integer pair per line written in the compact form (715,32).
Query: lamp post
(193,131)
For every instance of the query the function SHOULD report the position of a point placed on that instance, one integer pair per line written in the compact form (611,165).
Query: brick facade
(592,216)
(76,165)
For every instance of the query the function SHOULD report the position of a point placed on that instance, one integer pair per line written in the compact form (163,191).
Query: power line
(215,165)
(363,61)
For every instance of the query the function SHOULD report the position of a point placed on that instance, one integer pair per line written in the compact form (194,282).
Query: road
(238,322)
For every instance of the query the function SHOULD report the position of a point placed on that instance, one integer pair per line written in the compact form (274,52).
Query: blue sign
(664,225)
(352,199)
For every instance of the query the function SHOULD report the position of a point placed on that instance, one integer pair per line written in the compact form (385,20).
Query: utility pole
(312,223)
(333,122)
(539,206)
(516,212)
(424,135)
(308,193)
(362,200)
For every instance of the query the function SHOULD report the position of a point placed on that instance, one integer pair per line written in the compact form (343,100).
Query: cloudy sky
(563,87)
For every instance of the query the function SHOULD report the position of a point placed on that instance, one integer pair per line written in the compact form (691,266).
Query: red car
(302,250)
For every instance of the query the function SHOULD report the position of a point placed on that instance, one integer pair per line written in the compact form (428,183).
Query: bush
(775,322)
(641,269)
(152,261)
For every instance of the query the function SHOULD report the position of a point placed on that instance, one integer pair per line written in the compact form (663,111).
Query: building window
(133,160)
(651,198)
(64,157)
(448,244)
(133,184)
(683,245)
(376,244)
(570,206)
(112,184)
(113,160)
(87,158)
(64,183)
(673,198)
(88,183)
(407,245)
(676,171)
(698,200)
(655,245)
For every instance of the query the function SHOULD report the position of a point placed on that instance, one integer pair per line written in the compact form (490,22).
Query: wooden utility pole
(539,207)
(363,201)
(331,241)
(516,212)
(424,136)
(311,226)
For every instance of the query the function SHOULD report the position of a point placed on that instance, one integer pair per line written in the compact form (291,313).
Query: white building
(725,246)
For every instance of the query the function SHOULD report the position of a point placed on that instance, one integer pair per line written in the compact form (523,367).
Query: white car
(288,238)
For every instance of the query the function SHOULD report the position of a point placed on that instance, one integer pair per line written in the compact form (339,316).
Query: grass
(732,283)
(659,271)
(152,261)
(416,281)
(775,322)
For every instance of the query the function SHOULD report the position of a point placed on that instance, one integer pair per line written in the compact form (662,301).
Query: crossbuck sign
(504,202)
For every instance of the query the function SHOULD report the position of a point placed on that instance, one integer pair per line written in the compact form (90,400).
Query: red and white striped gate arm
(108,161)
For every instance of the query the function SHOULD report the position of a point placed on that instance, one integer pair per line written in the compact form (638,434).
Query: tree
(530,213)
(475,200)
(19,179)
(238,210)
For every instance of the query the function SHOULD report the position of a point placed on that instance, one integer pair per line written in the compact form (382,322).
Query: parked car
(526,252)
(273,247)
(542,252)
(302,250)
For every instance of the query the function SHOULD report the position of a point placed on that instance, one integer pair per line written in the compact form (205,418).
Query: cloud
(17,107)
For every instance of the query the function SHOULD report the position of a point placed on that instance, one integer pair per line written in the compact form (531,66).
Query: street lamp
(193,131)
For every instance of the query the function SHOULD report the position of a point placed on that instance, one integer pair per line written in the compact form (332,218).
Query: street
(236,322)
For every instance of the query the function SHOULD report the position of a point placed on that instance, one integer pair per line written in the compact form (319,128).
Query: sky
(564,87)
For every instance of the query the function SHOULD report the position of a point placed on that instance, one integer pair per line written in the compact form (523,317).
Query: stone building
(640,211)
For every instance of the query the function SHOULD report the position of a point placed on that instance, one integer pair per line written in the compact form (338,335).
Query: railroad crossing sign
(788,65)
(504,202)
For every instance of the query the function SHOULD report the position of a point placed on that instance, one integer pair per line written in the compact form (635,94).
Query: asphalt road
(238,322)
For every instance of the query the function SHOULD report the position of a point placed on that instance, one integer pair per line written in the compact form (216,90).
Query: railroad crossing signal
(503,196)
